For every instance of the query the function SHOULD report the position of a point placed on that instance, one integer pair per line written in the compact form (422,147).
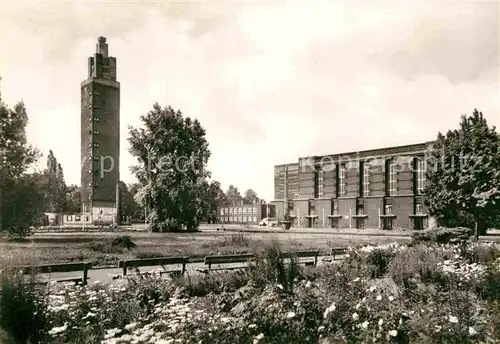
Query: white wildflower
(357,279)
(130,327)
(57,330)
(391,298)
(379,297)
(453,319)
(252,326)
(472,331)
(393,333)
(290,315)
(258,338)
(355,316)
(279,286)
(365,324)
(372,288)
(380,322)
(308,284)
(329,310)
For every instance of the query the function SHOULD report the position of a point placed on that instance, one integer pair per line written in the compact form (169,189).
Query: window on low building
(320,183)
(342,176)
(421,169)
(392,179)
(366,179)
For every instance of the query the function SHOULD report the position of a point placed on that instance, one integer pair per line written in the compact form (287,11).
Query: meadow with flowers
(425,293)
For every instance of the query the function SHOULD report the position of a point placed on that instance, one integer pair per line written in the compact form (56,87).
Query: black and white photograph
(249,171)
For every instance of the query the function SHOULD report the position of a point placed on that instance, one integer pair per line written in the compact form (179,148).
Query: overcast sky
(270,81)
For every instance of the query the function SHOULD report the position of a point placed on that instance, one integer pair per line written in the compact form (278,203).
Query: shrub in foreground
(23,308)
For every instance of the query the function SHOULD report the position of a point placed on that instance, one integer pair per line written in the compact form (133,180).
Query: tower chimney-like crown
(102,46)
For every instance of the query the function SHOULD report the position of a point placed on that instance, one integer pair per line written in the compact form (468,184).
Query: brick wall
(279,182)
(323,207)
(329,182)
(377,178)
(352,180)
(344,205)
(107,100)
(402,207)
(306,179)
(371,208)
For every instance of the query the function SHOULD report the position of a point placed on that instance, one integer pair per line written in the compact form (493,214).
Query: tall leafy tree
(20,196)
(73,202)
(464,176)
(172,153)
(135,190)
(128,205)
(250,197)
(213,198)
(233,195)
(54,185)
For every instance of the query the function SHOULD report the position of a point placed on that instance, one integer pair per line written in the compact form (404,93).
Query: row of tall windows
(392,179)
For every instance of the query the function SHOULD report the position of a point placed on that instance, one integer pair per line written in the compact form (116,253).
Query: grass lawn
(98,248)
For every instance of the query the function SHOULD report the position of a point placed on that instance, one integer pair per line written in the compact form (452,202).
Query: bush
(379,259)
(216,283)
(23,308)
(484,253)
(418,263)
(443,235)
(123,241)
(271,268)
(382,294)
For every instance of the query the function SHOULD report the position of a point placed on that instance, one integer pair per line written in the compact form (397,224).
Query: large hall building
(379,188)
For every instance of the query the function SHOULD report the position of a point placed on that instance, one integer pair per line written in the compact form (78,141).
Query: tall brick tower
(100,140)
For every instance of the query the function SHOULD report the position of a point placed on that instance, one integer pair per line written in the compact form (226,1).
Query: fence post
(315,258)
(184,266)
(124,268)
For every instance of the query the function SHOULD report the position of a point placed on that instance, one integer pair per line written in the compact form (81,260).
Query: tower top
(101,65)
(102,46)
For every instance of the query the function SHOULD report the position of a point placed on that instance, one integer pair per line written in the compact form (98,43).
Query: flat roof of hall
(413,145)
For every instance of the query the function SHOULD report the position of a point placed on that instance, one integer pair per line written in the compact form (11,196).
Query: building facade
(245,213)
(100,136)
(379,188)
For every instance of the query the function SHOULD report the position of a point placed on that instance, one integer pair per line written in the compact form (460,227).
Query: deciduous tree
(54,186)
(73,202)
(464,175)
(250,197)
(128,205)
(172,153)
(214,197)
(233,195)
(20,194)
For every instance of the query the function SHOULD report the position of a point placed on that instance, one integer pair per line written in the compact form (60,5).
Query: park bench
(226,259)
(335,252)
(245,258)
(136,263)
(56,268)
(303,254)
